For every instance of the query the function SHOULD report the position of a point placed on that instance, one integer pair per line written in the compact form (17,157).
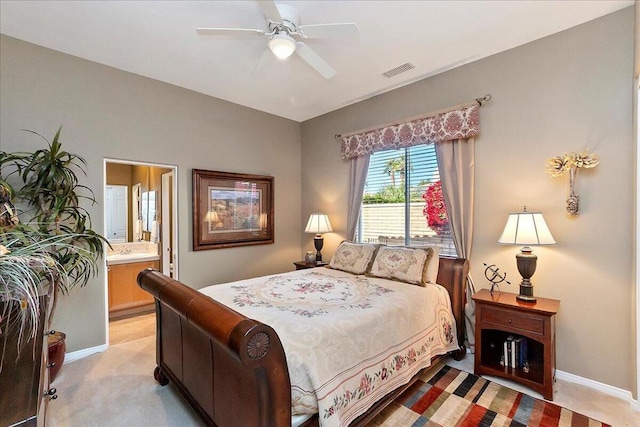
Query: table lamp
(318,223)
(526,228)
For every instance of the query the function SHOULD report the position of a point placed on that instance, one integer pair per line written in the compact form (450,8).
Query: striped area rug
(449,397)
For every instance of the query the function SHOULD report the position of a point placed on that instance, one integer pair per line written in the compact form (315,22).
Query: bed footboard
(231,369)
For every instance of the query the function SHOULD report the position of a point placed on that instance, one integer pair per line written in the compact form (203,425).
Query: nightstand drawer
(524,322)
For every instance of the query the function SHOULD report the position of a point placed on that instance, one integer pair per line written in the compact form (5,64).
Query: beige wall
(566,92)
(108,113)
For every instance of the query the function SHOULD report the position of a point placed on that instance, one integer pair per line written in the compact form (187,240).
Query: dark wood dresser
(24,380)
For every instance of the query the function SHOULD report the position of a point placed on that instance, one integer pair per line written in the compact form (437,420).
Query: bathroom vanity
(124,263)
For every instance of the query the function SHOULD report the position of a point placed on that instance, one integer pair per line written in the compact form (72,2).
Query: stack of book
(515,352)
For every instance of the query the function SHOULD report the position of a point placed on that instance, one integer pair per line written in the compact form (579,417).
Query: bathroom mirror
(148,209)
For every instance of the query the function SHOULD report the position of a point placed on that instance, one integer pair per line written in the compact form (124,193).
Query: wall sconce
(318,223)
(526,228)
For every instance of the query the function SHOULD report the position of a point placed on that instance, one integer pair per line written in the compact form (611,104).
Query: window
(402,202)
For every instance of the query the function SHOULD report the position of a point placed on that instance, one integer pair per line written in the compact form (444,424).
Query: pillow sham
(401,263)
(430,274)
(431,271)
(353,257)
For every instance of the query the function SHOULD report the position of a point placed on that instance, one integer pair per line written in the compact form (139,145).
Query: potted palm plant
(52,248)
(28,274)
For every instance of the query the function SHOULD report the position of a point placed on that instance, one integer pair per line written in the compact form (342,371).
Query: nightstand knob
(510,320)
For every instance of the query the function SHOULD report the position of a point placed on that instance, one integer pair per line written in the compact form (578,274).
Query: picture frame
(231,209)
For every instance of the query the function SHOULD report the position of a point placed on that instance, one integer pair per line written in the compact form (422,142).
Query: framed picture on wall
(231,209)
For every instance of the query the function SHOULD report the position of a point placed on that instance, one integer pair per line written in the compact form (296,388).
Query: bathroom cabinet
(125,296)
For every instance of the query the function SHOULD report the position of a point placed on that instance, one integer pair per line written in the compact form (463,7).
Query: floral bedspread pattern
(349,339)
(309,295)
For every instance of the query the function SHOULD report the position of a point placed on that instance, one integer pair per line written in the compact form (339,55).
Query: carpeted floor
(116,388)
(449,397)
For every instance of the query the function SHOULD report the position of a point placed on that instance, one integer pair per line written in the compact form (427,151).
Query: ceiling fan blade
(270,10)
(315,61)
(345,31)
(228,31)
(262,63)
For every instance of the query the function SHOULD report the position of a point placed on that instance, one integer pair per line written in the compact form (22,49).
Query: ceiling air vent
(398,70)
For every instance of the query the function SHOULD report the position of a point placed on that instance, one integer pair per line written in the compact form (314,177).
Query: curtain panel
(357,180)
(456,164)
(460,123)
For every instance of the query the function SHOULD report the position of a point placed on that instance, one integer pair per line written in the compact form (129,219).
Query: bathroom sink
(132,257)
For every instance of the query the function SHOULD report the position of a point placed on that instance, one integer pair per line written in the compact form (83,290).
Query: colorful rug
(449,397)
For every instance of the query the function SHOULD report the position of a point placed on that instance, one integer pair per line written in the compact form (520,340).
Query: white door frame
(636,127)
(174,169)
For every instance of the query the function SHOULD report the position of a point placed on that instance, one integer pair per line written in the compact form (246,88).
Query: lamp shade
(318,223)
(526,228)
(282,45)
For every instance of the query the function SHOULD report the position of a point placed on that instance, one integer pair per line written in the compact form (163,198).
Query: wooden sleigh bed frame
(233,370)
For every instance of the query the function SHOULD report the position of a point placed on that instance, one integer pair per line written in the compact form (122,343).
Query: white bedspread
(349,340)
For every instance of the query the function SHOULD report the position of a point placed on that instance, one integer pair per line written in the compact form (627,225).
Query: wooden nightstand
(301,265)
(500,316)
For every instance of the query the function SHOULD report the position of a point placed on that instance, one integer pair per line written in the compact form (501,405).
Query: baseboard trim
(601,387)
(561,375)
(80,354)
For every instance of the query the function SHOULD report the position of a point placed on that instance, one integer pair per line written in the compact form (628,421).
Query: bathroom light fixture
(282,45)
(526,228)
(318,223)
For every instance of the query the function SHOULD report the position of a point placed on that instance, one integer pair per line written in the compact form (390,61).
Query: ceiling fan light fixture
(282,45)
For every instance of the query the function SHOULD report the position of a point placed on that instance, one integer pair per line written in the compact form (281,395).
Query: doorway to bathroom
(141,226)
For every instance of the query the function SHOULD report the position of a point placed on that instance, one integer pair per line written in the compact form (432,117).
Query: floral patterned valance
(463,122)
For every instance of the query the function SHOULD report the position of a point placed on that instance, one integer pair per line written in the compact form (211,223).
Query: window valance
(462,122)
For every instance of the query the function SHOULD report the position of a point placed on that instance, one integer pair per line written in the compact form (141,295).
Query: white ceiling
(157,39)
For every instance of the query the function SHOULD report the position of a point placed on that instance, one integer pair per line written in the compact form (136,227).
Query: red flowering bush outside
(435,210)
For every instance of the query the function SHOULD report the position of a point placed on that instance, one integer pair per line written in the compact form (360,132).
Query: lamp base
(318,242)
(526,261)
(526,293)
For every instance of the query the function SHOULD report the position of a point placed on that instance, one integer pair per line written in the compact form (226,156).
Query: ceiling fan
(283,30)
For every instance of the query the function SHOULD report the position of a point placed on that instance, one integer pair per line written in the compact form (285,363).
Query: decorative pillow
(431,269)
(400,263)
(353,257)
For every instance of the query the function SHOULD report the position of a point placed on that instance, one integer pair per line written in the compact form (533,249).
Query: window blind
(393,207)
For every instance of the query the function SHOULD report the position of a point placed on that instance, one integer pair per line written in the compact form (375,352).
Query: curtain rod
(479,101)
